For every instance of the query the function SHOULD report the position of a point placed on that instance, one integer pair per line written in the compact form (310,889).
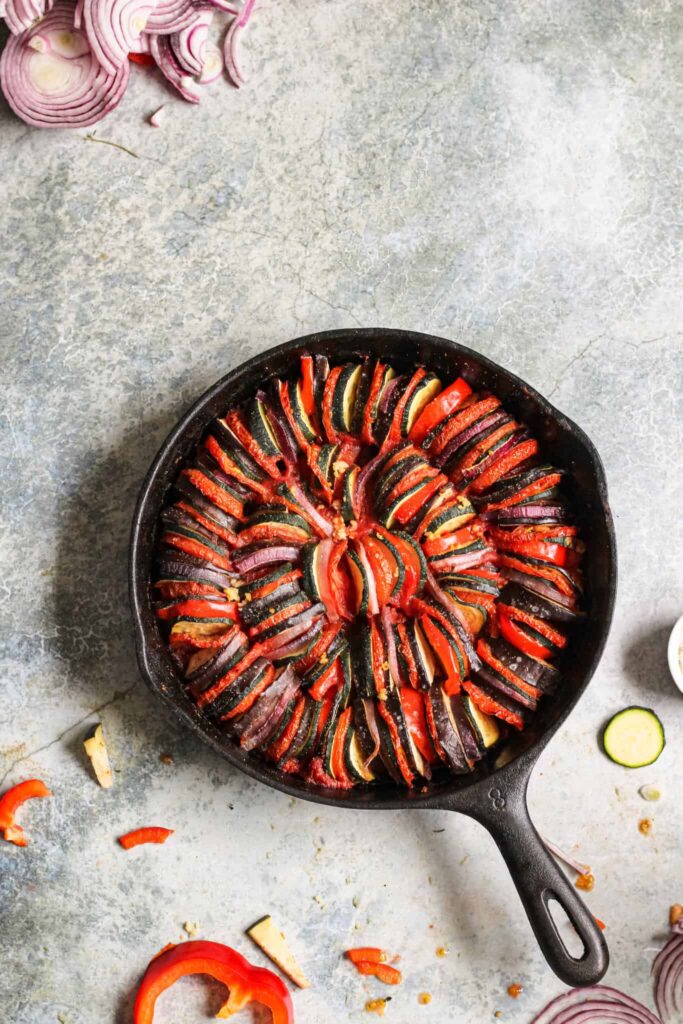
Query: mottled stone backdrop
(506,174)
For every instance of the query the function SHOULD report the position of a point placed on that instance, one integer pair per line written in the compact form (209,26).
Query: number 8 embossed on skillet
(366,576)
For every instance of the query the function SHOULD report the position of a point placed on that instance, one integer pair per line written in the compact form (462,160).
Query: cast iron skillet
(495,794)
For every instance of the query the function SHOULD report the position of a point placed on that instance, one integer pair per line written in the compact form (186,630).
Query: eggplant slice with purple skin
(304,667)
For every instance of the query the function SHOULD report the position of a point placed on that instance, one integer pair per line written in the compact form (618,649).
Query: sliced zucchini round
(634,737)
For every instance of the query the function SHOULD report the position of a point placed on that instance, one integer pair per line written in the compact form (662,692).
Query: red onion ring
(539,586)
(373,604)
(371,719)
(264,556)
(162,51)
(291,639)
(230,54)
(597,1004)
(392,653)
(364,476)
(189,45)
(315,517)
(467,560)
(51,91)
(668,976)
(581,869)
(21,14)
(468,434)
(275,699)
(171,16)
(113,27)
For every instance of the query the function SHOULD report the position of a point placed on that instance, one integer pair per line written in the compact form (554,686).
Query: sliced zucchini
(349,510)
(310,563)
(325,460)
(485,726)
(451,518)
(260,428)
(235,451)
(299,413)
(360,581)
(395,472)
(235,693)
(361,654)
(634,737)
(307,748)
(256,611)
(395,556)
(428,388)
(388,517)
(344,397)
(353,757)
(336,648)
(362,395)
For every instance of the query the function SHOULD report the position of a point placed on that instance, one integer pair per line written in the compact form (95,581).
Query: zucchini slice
(349,508)
(261,430)
(422,654)
(451,517)
(428,388)
(353,757)
(344,397)
(360,581)
(299,413)
(634,737)
(486,727)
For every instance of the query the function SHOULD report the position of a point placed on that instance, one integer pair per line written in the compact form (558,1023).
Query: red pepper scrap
(11,801)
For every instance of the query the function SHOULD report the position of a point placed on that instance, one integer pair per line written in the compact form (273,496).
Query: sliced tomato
(279,616)
(369,414)
(468,416)
(491,707)
(253,695)
(461,538)
(380,665)
(195,548)
(515,636)
(337,762)
(243,434)
(384,568)
(526,543)
(341,587)
(444,652)
(411,565)
(407,653)
(215,493)
(410,479)
(443,405)
(402,760)
(413,704)
(514,457)
(328,396)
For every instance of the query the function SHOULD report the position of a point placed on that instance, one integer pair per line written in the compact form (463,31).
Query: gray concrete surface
(505,174)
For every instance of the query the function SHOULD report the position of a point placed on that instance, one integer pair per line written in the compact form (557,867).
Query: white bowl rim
(673,655)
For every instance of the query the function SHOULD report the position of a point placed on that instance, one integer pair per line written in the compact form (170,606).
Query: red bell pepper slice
(370,954)
(439,408)
(280,747)
(247,984)
(410,479)
(318,649)
(214,493)
(11,801)
(200,610)
(331,677)
(544,572)
(230,468)
(413,704)
(380,664)
(243,435)
(307,387)
(526,542)
(340,584)
(514,457)
(144,59)
(196,549)
(515,636)
(383,972)
(140,836)
(268,588)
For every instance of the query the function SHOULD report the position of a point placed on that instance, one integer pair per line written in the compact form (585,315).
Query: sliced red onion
(597,1004)
(539,586)
(265,556)
(319,520)
(464,630)
(276,698)
(581,869)
(113,26)
(668,975)
(230,54)
(78,14)
(467,560)
(141,44)
(371,719)
(247,9)
(167,63)
(467,434)
(52,91)
(364,477)
(224,5)
(387,394)
(373,604)
(529,513)
(292,639)
(171,16)
(189,45)
(392,653)
(21,14)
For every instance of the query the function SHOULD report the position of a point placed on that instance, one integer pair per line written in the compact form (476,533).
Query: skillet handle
(502,810)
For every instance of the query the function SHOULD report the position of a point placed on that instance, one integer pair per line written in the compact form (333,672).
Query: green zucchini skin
(344,398)
(634,737)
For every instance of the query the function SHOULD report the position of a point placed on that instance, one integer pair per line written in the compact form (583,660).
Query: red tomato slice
(308,387)
(444,652)
(439,408)
(413,704)
(384,568)
(514,635)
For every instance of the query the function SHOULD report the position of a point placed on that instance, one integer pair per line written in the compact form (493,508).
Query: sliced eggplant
(535,604)
(534,671)
(423,655)
(447,729)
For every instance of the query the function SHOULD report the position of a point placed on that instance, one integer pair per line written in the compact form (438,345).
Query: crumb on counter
(191,928)
(166,758)
(424,998)
(585,882)
(378,1006)
(675,913)
(515,990)
(645,826)
(442,951)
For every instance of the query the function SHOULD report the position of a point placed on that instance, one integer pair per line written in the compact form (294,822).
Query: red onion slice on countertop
(113,28)
(53,91)
(597,1004)
(189,45)
(668,975)
(21,14)
(167,62)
